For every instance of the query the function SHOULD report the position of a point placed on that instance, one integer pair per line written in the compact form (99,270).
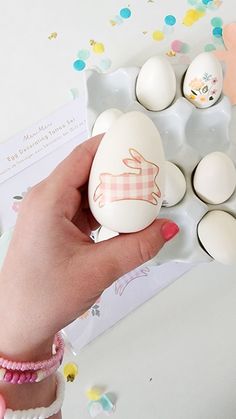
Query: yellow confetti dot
(53,35)
(158,36)
(94,394)
(171,53)
(98,47)
(70,371)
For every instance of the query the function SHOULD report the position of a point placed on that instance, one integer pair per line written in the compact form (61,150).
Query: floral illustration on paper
(203,89)
(125,280)
(94,311)
(130,186)
(17,199)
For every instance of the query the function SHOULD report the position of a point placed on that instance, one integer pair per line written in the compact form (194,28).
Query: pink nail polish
(169,230)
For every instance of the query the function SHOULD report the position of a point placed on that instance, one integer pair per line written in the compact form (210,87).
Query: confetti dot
(216,22)
(94,394)
(158,36)
(105,64)
(170,20)
(209,47)
(79,65)
(205,1)
(191,16)
(176,45)
(211,5)
(83,54)
(98,48)
(185,48)
(201,11)
(125,13)
(70,371)
(217,32)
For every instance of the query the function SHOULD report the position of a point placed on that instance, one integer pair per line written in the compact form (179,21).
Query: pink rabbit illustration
(229,57)
(130,186)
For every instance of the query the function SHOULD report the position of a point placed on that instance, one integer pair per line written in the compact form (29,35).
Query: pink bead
(8,376)
(22,378)
(2,407)
(27,376)
(15,377)
(33,377)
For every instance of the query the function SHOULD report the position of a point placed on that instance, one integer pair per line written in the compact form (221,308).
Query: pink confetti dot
(177,45)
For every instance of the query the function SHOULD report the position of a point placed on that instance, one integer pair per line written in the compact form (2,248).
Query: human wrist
(28,396)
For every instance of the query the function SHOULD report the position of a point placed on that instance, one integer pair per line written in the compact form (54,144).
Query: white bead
(2,373)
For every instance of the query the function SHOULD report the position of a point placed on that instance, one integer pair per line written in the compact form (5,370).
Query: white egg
(217,233)
(105,120)
(203,81)
(215,178)
(156,84)
(105,234)
(175,185)
(127,175)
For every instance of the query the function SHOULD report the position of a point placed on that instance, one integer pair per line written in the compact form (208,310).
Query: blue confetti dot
(206,1)
(217,32)
(170,20)
(209,47)
(105,64)
(79,65)
(125,13)
(83,54)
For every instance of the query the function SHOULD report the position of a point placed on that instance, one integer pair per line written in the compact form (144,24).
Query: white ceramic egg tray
(188,134)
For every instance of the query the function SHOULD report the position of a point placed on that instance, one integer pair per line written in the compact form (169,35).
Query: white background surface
(184,339)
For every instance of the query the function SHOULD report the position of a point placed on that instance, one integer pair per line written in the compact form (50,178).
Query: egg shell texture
(105,120)
(175,185)
(156,84)
(203,81)
(215,178)
(127,175)
(217,233)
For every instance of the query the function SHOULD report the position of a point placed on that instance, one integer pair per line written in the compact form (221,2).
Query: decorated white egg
(217,233)
(105,120)
(127,175)
(175,185)
(156,84)
(203,81)
(215,178)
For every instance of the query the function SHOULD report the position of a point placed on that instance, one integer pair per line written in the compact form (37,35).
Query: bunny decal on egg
(127,176)
(130,185)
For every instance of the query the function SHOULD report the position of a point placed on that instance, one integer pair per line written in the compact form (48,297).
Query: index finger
(74,170)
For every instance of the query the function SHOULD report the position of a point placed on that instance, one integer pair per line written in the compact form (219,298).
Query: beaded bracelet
(23,377)
(39,412)
(40,365)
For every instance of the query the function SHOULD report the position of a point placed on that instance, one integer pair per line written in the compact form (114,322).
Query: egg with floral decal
(203,81)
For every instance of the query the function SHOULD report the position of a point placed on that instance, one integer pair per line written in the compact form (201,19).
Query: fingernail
(169,230)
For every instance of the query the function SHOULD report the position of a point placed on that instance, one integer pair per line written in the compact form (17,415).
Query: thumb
(125,252)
